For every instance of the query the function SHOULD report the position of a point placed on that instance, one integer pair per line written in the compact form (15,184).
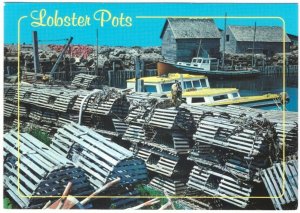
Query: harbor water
(263,84)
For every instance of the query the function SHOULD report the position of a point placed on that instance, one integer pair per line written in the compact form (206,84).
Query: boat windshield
(194,60)
(166,87)
(188,84)
(203,82)
(235,95)
(220,97)
(196,83)
(150,88)
(199,60)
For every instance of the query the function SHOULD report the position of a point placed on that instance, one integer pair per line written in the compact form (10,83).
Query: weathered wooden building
(181,38)
(294,39)
(268,40)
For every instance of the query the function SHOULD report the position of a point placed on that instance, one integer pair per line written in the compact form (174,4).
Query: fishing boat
(210,67)
(197,91)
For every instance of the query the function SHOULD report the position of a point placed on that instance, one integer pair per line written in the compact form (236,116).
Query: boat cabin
(163,84)
(210,96)
(206,64)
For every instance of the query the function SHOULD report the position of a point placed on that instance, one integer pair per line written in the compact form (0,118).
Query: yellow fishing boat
(197,91)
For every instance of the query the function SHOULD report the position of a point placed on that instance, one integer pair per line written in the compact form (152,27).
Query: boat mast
(224,41)
(253,44)
(199,47)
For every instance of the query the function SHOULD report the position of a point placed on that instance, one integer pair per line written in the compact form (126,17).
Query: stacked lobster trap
(232,152)
(160,136)
(34,170)
(102,160)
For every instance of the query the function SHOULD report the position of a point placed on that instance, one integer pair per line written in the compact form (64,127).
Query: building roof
(186,28)
(263,33)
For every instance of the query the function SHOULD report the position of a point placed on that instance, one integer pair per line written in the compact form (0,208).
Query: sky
(142,31)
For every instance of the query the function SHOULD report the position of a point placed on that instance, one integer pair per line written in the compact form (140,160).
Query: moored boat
(197,91)
(210,67)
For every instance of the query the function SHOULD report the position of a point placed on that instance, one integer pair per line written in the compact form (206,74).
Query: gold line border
(164,17)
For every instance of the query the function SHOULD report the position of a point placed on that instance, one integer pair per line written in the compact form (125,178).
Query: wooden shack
(268,40)
(181,38)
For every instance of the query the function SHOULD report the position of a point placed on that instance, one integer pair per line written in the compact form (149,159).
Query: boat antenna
(199,47)
(253,44)
(224,40)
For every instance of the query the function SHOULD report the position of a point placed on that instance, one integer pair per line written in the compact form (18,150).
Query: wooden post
(36,53)
(137,72)
(253,46)
(224,42)
(140,84)
(143,68)
(109,78)
(8,70)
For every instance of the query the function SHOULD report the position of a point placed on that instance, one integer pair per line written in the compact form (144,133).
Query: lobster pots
(106,102)
(143,104)
(195,204)
(161,161)
(281,182)
(171,186)
(57,99)
(123,203)
(176,141)
(42,172)
(224,133)
(100,159)
(291,137)
(138,115)
(86,81)
(9,92)
(244,169)
(221,185)
(135,133)
(172,119)
(11,110)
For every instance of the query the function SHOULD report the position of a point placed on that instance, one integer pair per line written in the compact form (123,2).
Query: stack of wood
(40,172)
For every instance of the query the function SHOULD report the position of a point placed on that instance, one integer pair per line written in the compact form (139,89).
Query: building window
(227,37)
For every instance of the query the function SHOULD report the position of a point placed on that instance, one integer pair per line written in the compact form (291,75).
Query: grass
(150,191)
(7,203)
(41,135)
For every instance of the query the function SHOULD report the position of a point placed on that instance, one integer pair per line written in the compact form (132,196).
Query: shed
(268,40)
(181,38)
